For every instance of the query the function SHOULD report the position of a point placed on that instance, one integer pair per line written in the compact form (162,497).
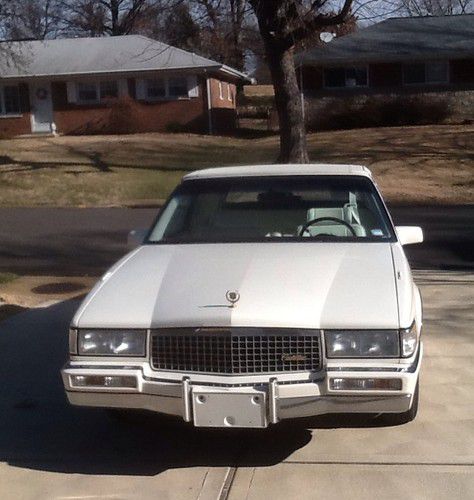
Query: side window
(425,72)
(108,89)
(10,100)
(178,87)
(87,92)
(156,88)
(346,77)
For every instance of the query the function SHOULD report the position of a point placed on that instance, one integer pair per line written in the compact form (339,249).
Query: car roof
(280,169)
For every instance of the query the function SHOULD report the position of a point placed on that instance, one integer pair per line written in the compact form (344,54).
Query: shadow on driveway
(40,430)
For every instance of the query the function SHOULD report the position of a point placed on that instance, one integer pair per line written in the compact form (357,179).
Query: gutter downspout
(209,105)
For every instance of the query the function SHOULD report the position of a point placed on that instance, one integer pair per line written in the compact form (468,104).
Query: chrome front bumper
(284,398)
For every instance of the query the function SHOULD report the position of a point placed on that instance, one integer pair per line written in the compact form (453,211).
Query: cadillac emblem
(232,296)
(294,358)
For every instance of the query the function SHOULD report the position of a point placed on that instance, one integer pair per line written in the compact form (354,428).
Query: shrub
(120,118)
(175,128)
(376,111)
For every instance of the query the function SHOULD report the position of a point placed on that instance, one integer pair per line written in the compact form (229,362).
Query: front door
(41,108)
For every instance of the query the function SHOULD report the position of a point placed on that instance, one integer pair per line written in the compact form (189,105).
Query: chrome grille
(235,351)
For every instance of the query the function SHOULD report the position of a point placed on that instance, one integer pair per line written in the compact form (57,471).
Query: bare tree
(282,24)
(435,7)
(105,17)
(177,28)
(227,29)
(36,19)
(10,55)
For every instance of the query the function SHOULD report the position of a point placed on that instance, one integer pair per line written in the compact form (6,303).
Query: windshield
(290,208)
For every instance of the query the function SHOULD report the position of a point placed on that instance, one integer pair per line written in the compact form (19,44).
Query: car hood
(304,285)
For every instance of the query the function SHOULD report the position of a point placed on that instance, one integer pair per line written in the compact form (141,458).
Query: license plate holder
(229,409)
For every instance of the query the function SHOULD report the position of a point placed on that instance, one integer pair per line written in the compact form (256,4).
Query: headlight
(111,342)
(409,340)
(362,344)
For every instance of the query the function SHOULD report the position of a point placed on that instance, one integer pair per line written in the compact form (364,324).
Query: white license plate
(229,409)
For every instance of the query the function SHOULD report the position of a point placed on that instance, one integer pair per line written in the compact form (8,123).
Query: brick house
(123,84)
(431,56)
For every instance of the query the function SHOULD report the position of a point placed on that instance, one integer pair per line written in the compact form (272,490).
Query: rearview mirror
(408,235)
(136,238)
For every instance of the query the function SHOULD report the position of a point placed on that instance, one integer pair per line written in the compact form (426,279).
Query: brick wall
(12,126)
(128,115)
(18,125)
(460,104)
(385,75)
(462,71)
(386,83)
(224,113)
(389,76)
(216,100)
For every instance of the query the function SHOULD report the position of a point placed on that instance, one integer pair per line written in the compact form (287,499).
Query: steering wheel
(321,219)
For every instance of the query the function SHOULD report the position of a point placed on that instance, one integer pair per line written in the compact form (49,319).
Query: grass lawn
(430,164)
(7,277)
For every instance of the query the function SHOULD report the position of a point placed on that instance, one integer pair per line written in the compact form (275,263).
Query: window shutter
(193,86)
(122,87)
(140,89)
(71,92)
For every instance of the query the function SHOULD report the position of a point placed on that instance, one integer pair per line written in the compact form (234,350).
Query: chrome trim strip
(403,369)
(246,384)
(70,366)
(186,400)
(363,369)
(272,400)
(72,341)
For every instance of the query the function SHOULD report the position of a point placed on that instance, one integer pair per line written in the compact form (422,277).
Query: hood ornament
(232,296)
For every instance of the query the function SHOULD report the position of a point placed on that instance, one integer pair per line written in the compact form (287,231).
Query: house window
(94,92)
(166,88)
(178,87)
(108,89)
(87,92)
(345,77)
(221,91)
(156,88)
(425,72)
(10,100)
(229,93)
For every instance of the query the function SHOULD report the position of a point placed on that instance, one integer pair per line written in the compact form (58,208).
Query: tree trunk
(288,103)
(114,18)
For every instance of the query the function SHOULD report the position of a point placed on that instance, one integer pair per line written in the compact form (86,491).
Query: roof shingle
(75,56)
(396,39)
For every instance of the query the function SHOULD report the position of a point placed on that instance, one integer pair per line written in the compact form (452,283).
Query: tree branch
(316,21)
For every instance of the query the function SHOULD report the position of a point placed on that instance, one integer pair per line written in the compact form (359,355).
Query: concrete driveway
(49,450)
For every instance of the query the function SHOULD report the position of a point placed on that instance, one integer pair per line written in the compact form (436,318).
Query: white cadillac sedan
(260,294)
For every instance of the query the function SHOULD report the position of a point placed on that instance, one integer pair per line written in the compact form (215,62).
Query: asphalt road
(87,241)
(50,450)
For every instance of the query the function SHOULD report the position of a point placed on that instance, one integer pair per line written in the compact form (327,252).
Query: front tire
(406,416)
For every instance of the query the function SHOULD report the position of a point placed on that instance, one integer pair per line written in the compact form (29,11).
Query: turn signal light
(365,384)
(103,381)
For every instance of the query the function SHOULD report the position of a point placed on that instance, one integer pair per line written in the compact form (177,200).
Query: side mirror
(136,238)
(408,235)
